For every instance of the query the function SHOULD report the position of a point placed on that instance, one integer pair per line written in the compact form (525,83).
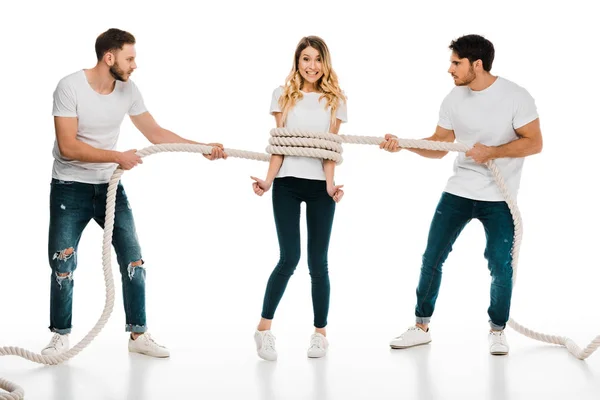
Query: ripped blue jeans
(72,206)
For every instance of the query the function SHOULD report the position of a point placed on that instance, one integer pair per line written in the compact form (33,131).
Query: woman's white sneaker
(265,345)
(414,336)
(498,343)
(318,346)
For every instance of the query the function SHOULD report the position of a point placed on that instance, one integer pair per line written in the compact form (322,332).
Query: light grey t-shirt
(99,119)
(490,117)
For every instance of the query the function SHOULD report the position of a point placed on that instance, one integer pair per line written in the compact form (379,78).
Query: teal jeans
(288,194)
(451,216)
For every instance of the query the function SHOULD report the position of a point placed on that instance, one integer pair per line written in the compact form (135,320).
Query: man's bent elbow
(539,145)
(66,150)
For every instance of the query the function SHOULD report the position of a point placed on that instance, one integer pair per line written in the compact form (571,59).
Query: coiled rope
(291,142)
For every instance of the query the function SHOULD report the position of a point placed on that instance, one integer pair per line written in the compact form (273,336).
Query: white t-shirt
(490,117)
(99,119)
(308,114)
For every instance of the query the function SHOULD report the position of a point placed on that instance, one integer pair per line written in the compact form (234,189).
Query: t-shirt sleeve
(524,110)
(445,117)
(341,112)
(137,102)
(65,100)
(275,100)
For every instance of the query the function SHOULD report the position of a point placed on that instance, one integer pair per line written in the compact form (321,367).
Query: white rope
(16,393)
(573,348)
(285,132)
(304,142)
(296,142)
(512,205)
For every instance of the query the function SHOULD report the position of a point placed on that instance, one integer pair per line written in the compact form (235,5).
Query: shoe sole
(54,354)
(498,353)
(148,354)
(58,353)
(266,358)
(408,347)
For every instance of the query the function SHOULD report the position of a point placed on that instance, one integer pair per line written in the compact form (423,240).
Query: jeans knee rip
(64,255)
(60,277)
(131,268)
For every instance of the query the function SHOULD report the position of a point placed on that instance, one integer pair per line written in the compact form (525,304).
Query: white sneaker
(414,336)
(318,346)
(144,344)
(58,344)
(265,345)
(498,343)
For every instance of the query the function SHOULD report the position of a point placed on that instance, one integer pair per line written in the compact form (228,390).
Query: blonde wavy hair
(327,84)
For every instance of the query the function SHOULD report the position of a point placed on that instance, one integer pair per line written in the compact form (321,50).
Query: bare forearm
(80,151)
(329,167)
(519,148)
(430,153)
(274,166)
(166,136)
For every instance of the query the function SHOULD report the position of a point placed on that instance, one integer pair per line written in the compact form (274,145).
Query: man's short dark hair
(111,40)
(474,47)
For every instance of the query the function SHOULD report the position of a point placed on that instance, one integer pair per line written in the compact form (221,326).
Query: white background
(209,243)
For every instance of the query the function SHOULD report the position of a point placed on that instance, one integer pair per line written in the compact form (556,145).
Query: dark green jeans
(288,194)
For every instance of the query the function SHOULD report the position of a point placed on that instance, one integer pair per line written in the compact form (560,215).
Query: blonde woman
(310,100)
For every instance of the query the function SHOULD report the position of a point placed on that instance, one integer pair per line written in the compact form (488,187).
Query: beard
(118,73)
(468,79)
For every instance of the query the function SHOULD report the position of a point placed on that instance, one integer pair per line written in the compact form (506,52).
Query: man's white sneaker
(318,346)
(144,344)
(58,344)
(498,343)
(413,336)
(265,345)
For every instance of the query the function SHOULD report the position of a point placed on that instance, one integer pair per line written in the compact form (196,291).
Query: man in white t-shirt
(499,120)
(89,107)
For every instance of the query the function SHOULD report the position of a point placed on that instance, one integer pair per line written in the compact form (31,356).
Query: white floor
(204,296)
(455,366)
(205,300)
